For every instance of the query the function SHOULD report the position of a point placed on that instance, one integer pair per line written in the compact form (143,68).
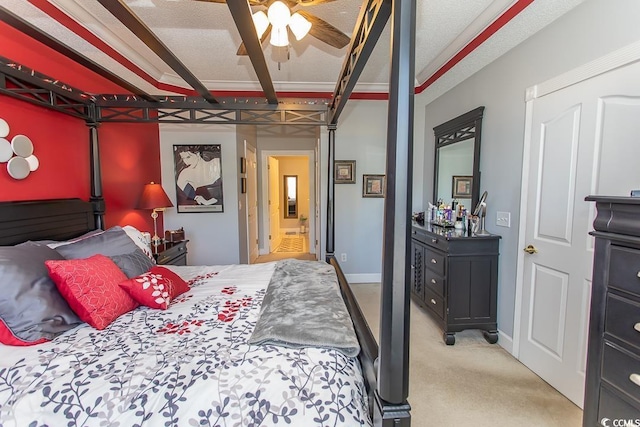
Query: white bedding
(186,366)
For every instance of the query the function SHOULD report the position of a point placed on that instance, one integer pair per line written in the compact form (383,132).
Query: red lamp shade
(154,197)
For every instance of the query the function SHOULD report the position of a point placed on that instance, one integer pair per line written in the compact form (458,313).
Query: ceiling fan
(320,28)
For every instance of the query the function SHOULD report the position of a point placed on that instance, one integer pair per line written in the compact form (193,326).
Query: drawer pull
(638,274)
(635,378)
(637,326)
(433,261)
(434,303)
(433,281)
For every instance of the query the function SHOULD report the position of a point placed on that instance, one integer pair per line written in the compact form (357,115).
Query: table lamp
(153,197)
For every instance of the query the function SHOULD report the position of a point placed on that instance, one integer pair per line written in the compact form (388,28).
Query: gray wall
(361,136)
(213,235)
(591,30)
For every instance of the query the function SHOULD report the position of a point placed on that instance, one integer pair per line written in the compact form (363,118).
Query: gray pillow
(133,264)
(31,308)
(55,243)
(112,242)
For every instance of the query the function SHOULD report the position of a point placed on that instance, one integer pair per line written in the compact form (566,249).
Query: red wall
(130,153)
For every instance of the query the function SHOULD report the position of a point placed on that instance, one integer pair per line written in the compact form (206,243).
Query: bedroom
(591,30)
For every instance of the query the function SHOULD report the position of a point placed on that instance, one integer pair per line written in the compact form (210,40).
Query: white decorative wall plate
(24,162)
(4,128)
(22,146)
(18,168)
(34,163)
(6,152)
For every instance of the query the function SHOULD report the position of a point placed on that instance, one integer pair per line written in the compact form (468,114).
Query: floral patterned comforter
(189,365)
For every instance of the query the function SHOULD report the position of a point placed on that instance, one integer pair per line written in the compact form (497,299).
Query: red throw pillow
(90,286)
(155,288)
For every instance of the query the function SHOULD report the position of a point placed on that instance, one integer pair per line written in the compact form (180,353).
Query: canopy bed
(382,372)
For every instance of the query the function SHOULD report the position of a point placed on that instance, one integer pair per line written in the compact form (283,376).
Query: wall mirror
(457,159)
(291,196)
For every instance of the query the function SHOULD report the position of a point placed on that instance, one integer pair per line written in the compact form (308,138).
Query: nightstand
(171,253)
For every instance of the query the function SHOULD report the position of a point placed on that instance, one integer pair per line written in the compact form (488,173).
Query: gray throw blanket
(303,307)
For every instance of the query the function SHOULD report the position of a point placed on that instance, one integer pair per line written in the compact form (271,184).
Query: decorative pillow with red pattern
(90,286)
(155,288)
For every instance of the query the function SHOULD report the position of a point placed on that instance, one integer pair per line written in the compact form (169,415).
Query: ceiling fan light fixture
(261,22)
(299,25)
(279,36)
(279,14)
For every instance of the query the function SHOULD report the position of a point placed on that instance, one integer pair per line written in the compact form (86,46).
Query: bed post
(392,408)
(331,229)
(96,198)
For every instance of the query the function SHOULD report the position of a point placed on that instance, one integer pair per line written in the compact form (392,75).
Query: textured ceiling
(203,36)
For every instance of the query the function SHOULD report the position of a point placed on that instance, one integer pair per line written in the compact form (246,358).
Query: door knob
(531,249)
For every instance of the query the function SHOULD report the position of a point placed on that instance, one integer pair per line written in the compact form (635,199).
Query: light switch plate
(503,219)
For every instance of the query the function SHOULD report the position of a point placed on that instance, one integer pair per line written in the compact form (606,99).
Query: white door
(274,203)
(583,141)
(252,203)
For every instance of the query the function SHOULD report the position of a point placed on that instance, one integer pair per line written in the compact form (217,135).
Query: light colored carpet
(472,383)
(291,244)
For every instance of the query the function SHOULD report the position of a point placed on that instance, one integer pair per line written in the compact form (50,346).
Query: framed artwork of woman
(198,171)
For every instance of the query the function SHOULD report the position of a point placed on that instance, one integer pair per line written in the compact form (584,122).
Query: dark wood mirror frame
(462,128)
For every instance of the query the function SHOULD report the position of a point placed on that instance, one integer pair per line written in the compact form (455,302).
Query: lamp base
(155,240)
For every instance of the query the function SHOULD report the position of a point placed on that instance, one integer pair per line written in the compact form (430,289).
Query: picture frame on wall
(198,172)
(344,172)
(461,187)
(373,185)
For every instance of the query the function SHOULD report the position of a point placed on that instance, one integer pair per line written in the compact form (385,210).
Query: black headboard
(58,219)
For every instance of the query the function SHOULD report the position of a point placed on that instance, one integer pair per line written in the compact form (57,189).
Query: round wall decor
(18,168)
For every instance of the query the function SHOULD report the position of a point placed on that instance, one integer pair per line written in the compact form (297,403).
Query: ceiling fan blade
(242,51)
(311,2)
(325,32)
(251,2)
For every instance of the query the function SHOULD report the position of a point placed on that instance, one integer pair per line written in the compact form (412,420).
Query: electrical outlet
(503,219)
(343,257)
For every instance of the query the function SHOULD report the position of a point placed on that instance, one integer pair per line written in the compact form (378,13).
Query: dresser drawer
(434,261)
(431,239)
(438,242)
(434,302)
(614,407)
(623,320)
(434,281)
(624,269)
(621,369)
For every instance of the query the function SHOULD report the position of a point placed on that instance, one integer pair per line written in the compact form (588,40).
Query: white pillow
(139,239)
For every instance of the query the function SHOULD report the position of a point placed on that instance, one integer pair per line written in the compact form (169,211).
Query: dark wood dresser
(172,253)
(612,388)
(455,277)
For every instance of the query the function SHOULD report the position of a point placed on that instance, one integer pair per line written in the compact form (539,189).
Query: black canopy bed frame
(385,367)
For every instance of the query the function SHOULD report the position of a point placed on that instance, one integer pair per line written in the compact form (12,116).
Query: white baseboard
(363,278)
(505,341)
